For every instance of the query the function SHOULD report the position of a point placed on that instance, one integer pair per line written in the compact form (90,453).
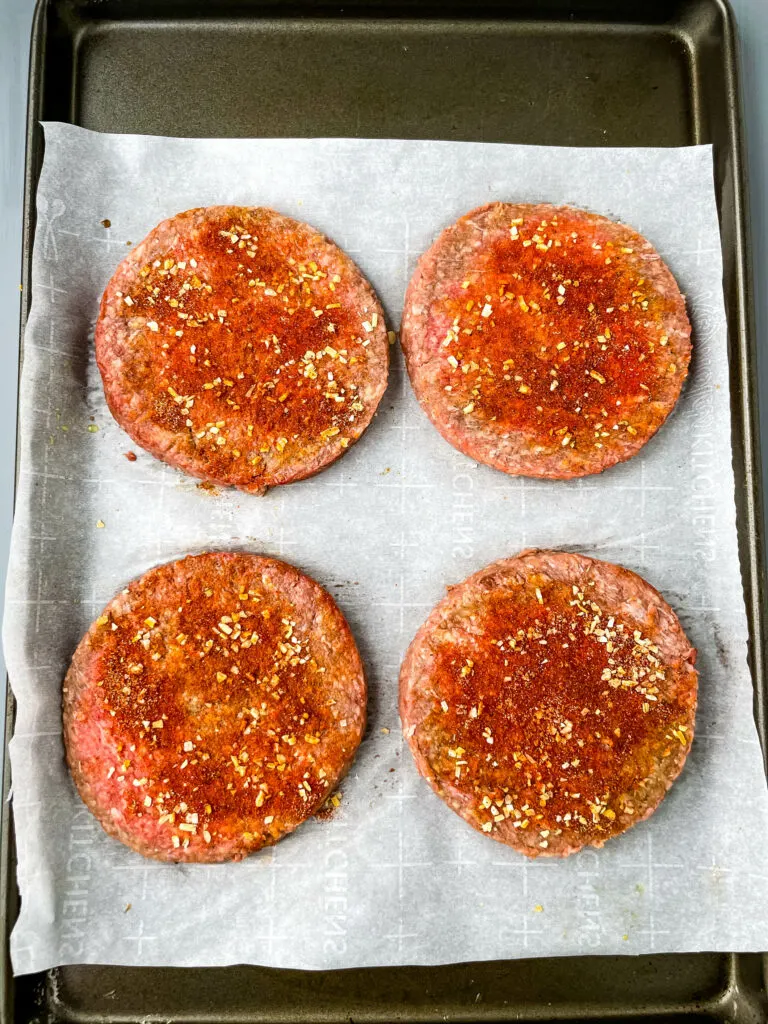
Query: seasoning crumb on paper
(329,807)
(208,488)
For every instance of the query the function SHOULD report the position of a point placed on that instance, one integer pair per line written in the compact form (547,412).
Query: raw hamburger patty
(241,346)
(550,700)
(213,707)
(543,340)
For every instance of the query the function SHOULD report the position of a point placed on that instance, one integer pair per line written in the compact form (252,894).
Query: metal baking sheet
(574,72)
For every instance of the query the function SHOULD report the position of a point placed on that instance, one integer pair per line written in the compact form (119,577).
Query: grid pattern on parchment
(394,877)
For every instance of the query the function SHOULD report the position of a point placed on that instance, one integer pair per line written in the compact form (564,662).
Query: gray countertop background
(15,25)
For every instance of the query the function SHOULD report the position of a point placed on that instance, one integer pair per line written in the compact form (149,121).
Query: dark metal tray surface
(564,72)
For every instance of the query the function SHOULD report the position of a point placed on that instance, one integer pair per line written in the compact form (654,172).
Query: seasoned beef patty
(545,341)
(550,700)
(241,346)
(213,707)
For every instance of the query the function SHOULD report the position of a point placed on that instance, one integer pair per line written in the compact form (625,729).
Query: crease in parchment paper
(394,877)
